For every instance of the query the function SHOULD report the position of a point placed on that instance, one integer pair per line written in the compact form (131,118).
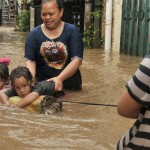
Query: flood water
(78,126)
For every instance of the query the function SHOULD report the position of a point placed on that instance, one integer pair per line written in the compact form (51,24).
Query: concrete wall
(116,25)
(32,16)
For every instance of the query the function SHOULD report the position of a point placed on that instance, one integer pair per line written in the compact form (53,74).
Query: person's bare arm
(31,65)
(71,68)
(28,99)
(4,98)
(127,106)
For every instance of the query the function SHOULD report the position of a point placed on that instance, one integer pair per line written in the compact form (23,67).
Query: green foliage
(89,34)
(23,20)
(96,14)
(88,37)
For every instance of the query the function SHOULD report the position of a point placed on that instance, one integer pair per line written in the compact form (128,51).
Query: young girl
(23,86)
(4,73)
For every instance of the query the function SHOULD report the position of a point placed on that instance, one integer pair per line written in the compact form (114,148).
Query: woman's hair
(4,72)
(20,72)
(58,2)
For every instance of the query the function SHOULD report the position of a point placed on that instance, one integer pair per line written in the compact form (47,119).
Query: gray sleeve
(44,88)
(10,93)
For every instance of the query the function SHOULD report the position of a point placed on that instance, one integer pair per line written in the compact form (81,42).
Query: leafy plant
(89,34)
(23,20)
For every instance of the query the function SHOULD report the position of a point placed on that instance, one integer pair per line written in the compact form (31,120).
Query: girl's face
(22,86)
(51,15)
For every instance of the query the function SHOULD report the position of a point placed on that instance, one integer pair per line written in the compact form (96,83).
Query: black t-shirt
(71,38)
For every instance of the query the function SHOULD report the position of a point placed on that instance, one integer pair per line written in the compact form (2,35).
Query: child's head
(21,80)
(4,75)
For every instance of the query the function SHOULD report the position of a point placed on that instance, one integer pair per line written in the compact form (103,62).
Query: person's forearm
(31,65)
(70,69)
(28,99)
(3,98)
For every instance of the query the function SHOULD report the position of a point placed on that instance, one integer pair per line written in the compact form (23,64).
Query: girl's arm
(4,98)
(28,99)
(127,106)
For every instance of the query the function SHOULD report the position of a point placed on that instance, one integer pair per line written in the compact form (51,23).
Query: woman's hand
(58,83)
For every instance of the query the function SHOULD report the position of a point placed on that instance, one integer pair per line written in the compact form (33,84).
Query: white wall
(117,25)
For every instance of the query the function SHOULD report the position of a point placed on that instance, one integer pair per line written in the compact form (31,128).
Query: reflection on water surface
(78,126)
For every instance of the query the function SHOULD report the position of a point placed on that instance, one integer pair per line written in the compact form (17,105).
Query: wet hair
(20,72)
(4,72)
(58,2)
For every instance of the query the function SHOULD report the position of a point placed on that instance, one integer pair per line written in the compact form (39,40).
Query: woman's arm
(70,69)
(127,106)
(31,65)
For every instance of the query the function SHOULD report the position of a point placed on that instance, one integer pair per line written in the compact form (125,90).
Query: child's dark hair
(58,2)
(4,72)
(20,72)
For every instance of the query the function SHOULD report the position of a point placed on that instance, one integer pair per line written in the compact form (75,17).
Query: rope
(86,103)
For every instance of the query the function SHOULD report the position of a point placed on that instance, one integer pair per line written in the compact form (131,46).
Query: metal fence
(74,13)
(135,30)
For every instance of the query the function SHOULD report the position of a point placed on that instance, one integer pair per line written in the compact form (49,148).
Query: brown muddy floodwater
(78,126)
